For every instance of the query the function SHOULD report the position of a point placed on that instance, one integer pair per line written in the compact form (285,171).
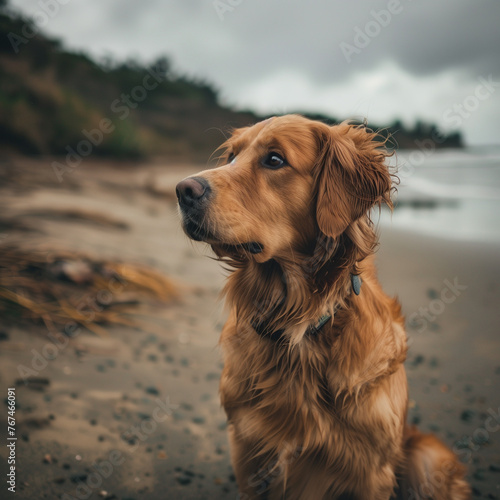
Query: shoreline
(98,389)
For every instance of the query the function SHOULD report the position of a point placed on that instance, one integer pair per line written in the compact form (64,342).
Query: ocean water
(449,194)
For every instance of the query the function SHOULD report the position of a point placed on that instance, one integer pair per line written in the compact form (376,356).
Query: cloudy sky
(433,60)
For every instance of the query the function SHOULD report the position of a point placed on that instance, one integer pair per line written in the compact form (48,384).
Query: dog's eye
(273,161)
(231,158)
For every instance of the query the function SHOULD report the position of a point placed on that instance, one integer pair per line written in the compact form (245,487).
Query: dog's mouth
(195,231)
(252,247)
(199,232)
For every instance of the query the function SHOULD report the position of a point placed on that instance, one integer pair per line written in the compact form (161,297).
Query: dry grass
(80,215)
(58,288)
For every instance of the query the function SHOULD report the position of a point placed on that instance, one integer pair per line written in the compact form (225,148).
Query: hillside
(54,102)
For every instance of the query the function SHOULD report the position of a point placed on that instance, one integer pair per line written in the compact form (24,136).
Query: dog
(313,384)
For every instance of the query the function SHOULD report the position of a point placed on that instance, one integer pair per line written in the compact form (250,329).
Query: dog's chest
(284,397)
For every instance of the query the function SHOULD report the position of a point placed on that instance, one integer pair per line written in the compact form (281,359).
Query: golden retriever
(313,384)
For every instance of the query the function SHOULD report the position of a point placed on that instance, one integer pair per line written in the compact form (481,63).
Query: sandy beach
(135,414)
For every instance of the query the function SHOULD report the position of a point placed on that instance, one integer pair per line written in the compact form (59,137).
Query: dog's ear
(351,177)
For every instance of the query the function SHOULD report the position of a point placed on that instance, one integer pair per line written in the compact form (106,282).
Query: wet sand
(136,414)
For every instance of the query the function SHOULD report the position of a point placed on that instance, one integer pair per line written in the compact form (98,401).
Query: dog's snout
(192,190)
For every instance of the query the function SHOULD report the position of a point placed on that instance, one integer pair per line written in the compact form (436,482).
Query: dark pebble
(432,294)
(76,478)
(184,362)
(476,492)
(153,357)
(184,480)
(479,475)
(495,468)
(93,421)
(34,383)
(467,415)
(59,480)
(100,368)
(433,362)
(212,376)
(481,438)
(152,390)
(4,335)
(417,360)
(37,423)
(199,420)
(462,443)
(66,466)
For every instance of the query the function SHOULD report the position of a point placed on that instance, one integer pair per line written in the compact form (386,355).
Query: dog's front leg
(252,476)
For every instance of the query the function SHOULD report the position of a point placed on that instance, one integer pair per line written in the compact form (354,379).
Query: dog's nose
(192,190)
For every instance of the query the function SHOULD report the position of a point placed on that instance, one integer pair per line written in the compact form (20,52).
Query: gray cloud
(261,40)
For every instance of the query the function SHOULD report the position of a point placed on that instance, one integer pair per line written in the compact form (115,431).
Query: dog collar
(356,283)
(262,327)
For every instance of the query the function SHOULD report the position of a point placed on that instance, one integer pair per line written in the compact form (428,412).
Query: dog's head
(285,182)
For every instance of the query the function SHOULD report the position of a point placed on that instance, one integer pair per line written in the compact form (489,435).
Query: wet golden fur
(324,416)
